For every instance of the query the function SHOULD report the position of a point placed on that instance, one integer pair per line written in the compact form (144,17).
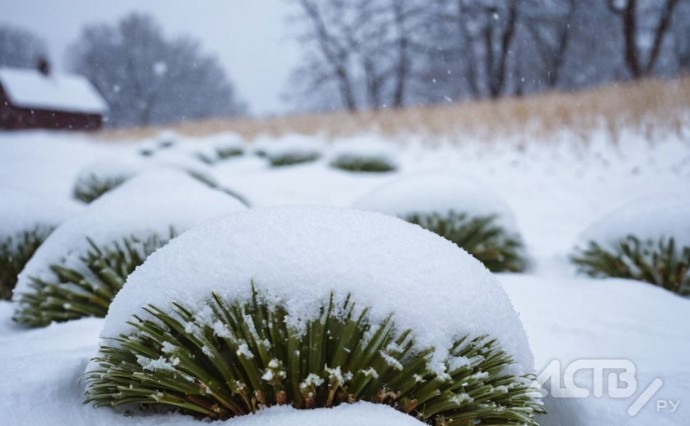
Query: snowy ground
(555,188)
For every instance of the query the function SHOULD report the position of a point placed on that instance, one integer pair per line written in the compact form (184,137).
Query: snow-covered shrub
(84,263)
(26,220)
(219,148)
(480,236)
(661,262)
(102,176)
(458,209)
(291,158)
(363,163)
(364,156)
(646,240)
(321,316)
(289,150)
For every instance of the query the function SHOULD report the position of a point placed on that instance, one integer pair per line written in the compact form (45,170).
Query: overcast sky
(250,37)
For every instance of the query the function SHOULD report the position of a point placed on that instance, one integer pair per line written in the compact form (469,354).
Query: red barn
(39,99)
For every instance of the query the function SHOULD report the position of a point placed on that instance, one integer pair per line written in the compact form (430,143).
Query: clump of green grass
(231,358)
(363,163)
(88,289)
(15,252)
(661,262)
(480,236)
(292,158)
(92,186)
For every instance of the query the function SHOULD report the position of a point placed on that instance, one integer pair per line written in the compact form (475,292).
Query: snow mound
(124,168)
(649,217)
(298,255)
(437,193)
(213,149)
(21,211)
(150,203)
(365,147)
(360,414)
(293,144)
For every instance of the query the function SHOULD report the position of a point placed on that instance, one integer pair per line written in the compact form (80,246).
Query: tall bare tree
(637,26)
(148,79)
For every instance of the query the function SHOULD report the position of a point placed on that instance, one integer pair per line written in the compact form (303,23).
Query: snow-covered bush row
(459,209)
(364,156)
(647,239)
(103,175)
(26,220)
(77,271)
(228,319)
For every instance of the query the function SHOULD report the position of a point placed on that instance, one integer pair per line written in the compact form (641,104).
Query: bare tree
(549,26)
(20,48)
(147,79)
(639,59)
(361,47)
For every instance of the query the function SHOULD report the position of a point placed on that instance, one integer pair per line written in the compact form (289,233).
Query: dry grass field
(652,106)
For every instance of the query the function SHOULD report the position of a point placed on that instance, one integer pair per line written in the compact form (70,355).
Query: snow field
(556,189)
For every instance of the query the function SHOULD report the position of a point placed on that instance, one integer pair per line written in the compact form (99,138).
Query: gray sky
(250,37)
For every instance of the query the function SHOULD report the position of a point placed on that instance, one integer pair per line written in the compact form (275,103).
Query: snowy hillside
(554,191)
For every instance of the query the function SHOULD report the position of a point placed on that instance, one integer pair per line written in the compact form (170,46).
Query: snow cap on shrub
(437,192)
(665,215)
(299,256)
(151,203)
(22,211)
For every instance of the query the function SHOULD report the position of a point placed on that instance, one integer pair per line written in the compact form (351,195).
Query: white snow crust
(63,92)
(437,192)
(150,203)
(359,414)
(21,211)
(292,144)
(296,256)
(362,147)
(648,217)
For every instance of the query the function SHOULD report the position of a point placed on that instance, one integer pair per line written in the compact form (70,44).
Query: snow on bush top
(126,167)
(150,203)
(21,211)
(437,193)
(291,144)
(364,147)
(298,255)
(649,217)
(108,169)
(360,414)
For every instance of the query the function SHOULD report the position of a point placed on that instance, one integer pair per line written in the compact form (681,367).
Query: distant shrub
(363,163)
(659,262)
(480,236)
(231,358)
(291,158)
(92,186)
(15,252)
(88,289)
(220,154)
